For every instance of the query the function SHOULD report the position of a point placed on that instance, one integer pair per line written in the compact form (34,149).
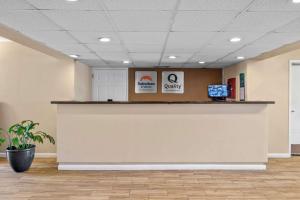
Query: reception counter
(162,135)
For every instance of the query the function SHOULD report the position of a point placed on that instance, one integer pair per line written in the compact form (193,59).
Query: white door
(295,102)
(110,84)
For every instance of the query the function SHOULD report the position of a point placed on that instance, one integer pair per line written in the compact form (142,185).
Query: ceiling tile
(196,65)
(278,39)
(223,64)
(113,58)
(274,5)
(261,46)
(232,58)
(91,37)
(202,20)
(145,59)
(140,4)
(50,37)
(145,64)
(89,56)
(147,38)
(93,63)
(201,29)
(252,51)
(140,57)
(215,52)
(293,26)
(66,5)
(187,41)
(106,47)
(181,58)
(172,64)
(222,39)
(214,4)
(205,57)
(70,48)
(143,42)
(14,5)
(26,20)
(261,21)
(142,48)
(141,20)
(79,20)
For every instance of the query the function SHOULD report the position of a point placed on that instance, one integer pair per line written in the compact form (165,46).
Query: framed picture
(172,82)
(145,82)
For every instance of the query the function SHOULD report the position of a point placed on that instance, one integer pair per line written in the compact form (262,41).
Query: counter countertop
(162,102)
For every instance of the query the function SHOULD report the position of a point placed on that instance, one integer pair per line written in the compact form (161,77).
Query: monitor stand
(219,98)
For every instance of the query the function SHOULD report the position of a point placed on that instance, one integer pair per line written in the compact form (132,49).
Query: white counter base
(124,167)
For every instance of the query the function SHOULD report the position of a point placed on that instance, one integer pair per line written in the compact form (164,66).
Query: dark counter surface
(162,102)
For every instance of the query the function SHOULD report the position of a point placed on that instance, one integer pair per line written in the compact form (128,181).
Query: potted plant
(21,144)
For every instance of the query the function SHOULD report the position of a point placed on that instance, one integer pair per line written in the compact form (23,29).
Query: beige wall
(234,72)
(268,79)
(29,80)
(162,133)
(82,82)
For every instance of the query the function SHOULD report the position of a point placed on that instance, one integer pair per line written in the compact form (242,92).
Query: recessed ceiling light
(74,56)
(201,62)
(172,57)
(104,39)
(240,57)
(235,39)
(126,61)
(71,0)
(2,39)
(296,1)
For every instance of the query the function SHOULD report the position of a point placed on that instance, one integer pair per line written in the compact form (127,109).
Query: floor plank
(281,181)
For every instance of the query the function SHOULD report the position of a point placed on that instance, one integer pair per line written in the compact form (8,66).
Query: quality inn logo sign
(145,82)
(173,82)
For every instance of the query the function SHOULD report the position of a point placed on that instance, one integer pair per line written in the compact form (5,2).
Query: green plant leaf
(24,122)
(15,141)
(30,135)
(46,136)
(38,139)
(32,126)
(16,129)
(22,134)
(2,140)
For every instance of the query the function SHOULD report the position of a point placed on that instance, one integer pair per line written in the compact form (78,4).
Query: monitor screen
(217,91)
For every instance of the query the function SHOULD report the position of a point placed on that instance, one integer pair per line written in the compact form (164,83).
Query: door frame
(290,102)
(119,68)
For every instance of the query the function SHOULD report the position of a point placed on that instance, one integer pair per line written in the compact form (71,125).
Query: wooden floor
(281,181)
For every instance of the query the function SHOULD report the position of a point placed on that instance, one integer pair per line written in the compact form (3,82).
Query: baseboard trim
(121,167)
(37,155)
(53,155)
(279,155)
(45,155)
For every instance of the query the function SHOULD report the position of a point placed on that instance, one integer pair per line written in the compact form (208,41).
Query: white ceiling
(146,32)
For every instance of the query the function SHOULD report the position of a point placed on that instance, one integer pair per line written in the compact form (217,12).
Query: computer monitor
(218,92)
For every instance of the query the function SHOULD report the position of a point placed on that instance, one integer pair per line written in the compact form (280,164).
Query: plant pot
(20,160)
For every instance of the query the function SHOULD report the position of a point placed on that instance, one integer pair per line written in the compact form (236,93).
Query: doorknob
(292,111)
